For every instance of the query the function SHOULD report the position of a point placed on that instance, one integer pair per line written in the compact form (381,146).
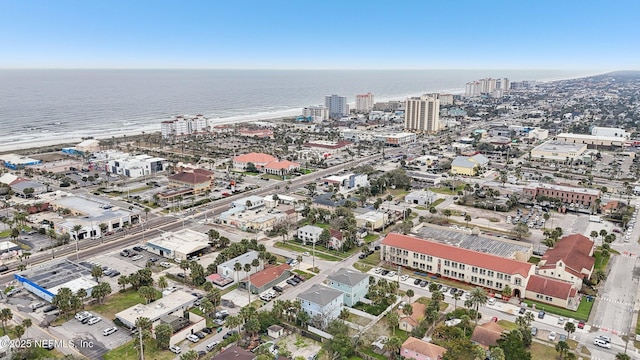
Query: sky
(320,34)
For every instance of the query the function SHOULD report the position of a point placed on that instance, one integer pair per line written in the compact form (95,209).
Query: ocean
(57,105)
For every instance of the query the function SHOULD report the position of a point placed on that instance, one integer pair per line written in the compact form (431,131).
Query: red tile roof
(487,335)
(416,316)
(468,257)
(270,273)
(203,172)
(255,158)
(551,287)
(574,251)
(413,346)
(190,178)
(285,164)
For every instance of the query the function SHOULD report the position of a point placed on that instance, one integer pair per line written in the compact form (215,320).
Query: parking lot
(92,334)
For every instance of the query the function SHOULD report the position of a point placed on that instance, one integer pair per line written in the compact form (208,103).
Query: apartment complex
(364,103)
(184,126)
(487,86)
(337,106)
(567,194)
(316,113)
(486,270)
(481,269)
(422,114)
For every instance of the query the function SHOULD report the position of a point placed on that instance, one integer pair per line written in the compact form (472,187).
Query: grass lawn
(601,262)
(426,301)
(584,309)
(143,188)
(371,237)
(507,325)
(129,352)
(534,260)
(299,248)
(373,259)
(397,193)
(118,302)
(362,321)
(306,171)
(447,190)
(307,275)
(362,267)
(542,352)
(437,202)
(271,176)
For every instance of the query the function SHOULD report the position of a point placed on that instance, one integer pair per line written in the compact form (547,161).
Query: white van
(211,345)
(602,343)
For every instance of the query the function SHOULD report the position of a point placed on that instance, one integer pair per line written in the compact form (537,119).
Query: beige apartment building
(422,114)
(489,271)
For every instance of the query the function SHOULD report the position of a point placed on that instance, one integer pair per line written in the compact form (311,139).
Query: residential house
(275,331)
(571,259)
(418,349)
(267,278)
(552,291)
(353,284)
(468,165)
(226,269)
(410,322)
(235,353)
(487,335)
(323,304)
(309,233)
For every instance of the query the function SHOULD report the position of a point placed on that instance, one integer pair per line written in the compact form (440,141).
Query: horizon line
(307,69)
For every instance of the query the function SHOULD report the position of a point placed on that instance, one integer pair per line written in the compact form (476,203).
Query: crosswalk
(616,301)
(612,331)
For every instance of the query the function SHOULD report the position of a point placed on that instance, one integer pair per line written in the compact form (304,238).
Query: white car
(377,271)
(109,331)
(391,274)
(306,253)
(602,343)
(136,258)
(552,336)
(193,338)
(94,320)
(404,277)
(81,315)
(491,301)
(175,349)
(165,264)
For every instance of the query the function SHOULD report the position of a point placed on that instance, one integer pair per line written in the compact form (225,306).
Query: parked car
(384,272)
(165,264)
(278,289)
(299,277)
(207,330)
(377,271)
(522,310)
(175,349)
(81,315)
(552,336)
(404,277)
(200,334)
(417,282)
(491,301)
(94,320)
(534,331)
(423,283)
(193,338)
(229,334)
(541,315)
(562,337)
(391,274)
(109,331)
(581,324)
(136,258)
(560,320)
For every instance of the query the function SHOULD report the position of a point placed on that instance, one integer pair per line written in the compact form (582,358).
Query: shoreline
(72,139)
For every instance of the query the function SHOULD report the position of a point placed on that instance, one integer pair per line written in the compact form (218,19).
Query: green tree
(562,348)
(512,345)
(393,320)
(410,294)
(96,272)
(570,328)
(622,356)
(148,293)
(506,291)
(162,282)
(344,314)
(521,231)
(19,331)
(478,297)
(599,275)
(5,315)
(496,353)
(392,345)
(463,349)
(163,335)
(26,323)
(184,265)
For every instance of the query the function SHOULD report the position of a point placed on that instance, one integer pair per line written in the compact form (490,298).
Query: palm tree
(96,272)
(599,275)
(184,265)
(237,267)
(456,297)
(344,314)
(410,294)
(393,320)
(247,270)
(162,282)
(570,328)
(478,298)
(26,323)
(5,315)
(256,264)
(467,218)
(393,345)
(81,294)
(562,348)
